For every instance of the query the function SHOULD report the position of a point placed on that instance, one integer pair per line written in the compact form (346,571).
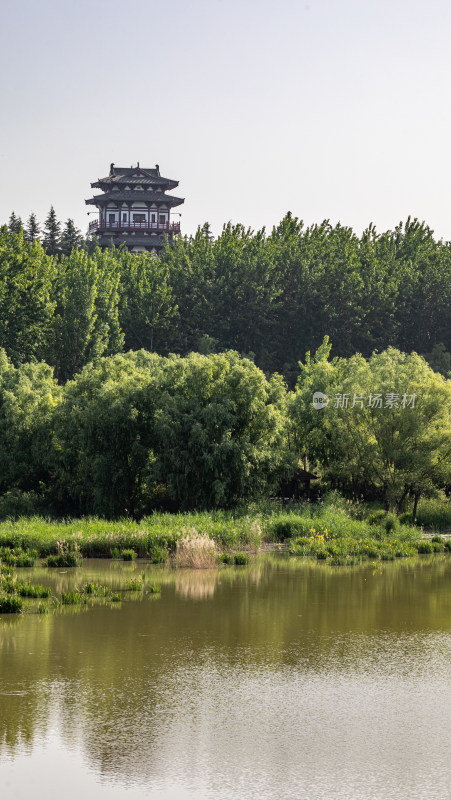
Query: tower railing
(118,225)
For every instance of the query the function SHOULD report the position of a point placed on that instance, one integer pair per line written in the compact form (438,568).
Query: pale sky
(334,109)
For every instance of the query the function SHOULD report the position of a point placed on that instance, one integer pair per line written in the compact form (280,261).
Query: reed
(196,551)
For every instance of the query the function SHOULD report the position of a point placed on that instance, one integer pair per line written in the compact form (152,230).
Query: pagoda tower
(134,209)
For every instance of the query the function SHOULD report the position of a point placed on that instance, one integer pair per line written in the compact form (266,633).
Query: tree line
(269,296)
(134,432)
(56,238)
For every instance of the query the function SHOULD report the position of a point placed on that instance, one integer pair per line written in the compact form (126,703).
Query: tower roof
(134,176)
(133,197)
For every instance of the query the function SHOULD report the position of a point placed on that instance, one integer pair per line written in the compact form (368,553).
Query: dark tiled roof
(121,171)
(134,197)
(124,175)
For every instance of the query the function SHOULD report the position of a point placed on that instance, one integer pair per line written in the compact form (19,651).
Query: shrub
(17,557)
(95,589)
(376,518)
(390,523)
(434,514)
(26,559)
(425,547)
(16,504)
(282,530)
(241,559)
(128,555)
(32,590)
(70,559)
(159,555)
(72,598)
(136,584)
(10,604)
(333,499)
(302,541)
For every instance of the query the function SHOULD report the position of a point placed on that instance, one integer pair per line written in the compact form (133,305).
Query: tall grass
(434,514)
(196,551)
(330,534)
(331,529)
(154,537)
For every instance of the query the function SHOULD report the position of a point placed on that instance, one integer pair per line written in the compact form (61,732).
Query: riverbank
(327,532)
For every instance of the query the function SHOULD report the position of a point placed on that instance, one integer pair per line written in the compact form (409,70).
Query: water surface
(277,680)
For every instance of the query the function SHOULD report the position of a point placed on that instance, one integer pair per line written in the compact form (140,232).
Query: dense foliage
(130,383)
(135,432)
(270,297)
(386,429)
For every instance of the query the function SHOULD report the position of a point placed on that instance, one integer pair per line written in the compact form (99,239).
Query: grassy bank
(331,531)
(334,533)
(154,537)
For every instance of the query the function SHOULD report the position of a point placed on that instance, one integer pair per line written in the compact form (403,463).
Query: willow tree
(385,427)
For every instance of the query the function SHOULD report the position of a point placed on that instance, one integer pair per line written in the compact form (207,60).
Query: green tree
(387,428)
(103,441)
(71,238)
(219,432)
(91,243)
(51,240)
(191,273)
(86,324)
(199,432)
(15,224)
(32,230)
(29,396)
(439,359)
(27,302)
(147,306)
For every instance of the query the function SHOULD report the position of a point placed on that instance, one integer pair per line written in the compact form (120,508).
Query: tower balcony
(98,226)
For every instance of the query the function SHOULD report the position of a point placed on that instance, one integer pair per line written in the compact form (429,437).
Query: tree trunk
(401,501)
(415,504)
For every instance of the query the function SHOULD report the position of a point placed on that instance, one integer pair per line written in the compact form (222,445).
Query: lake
(281,679)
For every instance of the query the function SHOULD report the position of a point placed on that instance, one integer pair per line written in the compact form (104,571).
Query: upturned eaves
(135,197)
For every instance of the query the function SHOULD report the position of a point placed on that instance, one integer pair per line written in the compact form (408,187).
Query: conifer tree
(91,243)
(32,230)
(15,223)
(52,234)
(71,238)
